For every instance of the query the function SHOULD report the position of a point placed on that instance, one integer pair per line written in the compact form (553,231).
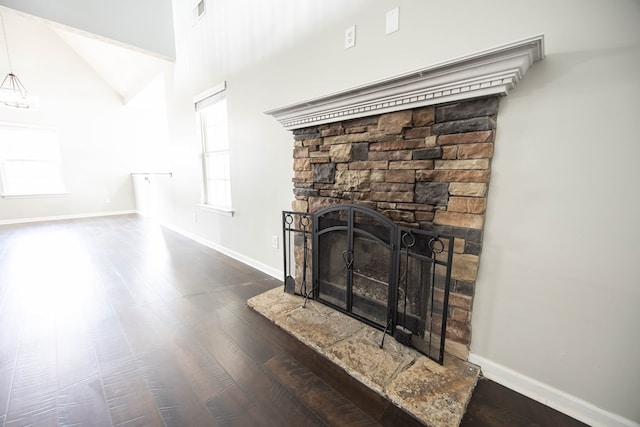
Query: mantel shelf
(490,72)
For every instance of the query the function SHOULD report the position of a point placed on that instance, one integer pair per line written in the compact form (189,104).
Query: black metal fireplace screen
(361,263)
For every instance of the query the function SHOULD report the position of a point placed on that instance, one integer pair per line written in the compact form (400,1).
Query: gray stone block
(324,173)
(360,152)
(466,110)
(461,126)
(432,193)
(427,153)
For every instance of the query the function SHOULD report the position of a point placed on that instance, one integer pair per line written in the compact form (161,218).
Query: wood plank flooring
(116,321)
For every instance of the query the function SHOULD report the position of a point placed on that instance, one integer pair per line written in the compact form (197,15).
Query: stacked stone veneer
(425,168)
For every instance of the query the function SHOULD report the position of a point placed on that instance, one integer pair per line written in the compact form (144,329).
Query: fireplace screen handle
(347,256)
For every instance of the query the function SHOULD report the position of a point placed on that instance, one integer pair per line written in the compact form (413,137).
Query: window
(211,109)
(29,161)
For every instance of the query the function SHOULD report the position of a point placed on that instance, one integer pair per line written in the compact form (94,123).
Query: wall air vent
(199,9)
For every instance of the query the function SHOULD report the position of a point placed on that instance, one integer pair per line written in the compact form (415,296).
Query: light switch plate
(393,20)
(350,37)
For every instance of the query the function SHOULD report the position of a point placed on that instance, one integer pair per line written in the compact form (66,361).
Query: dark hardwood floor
(116,321)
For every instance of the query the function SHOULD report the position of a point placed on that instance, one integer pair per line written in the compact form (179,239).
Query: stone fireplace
(416,148)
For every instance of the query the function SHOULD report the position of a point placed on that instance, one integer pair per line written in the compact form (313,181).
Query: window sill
(218,210)
(29,196)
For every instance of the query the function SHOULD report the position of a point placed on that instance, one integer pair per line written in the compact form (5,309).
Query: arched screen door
(355,267)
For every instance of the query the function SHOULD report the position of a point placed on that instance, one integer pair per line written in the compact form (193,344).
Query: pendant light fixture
(12,91)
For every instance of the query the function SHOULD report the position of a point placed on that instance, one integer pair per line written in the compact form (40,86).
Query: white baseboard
(273,272)
(549,396)
(63,217)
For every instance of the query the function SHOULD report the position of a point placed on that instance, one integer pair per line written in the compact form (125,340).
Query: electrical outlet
(393,20)
(350,37)
(274,242)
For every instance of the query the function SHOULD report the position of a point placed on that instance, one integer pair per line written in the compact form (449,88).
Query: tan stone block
(466,138)
(399,175)
(301,164)
(342,166)
(319,154)
(415,207)
(449,152)
(322,186)
(383,196)
(299,206)
(381,164)
(376,136)
(417,132)
(453,175)
(378,175)
(316,203)
(323,159)
(397,216)
(465,267)
(345,139)
(401,144)
(311,142)
(393,123)
(331,193)
(390,155)
(357,129)
(424,216)
(302,176)
(458,331)
(458,248)
(475,205)
(456,349)
(391,186)
(462,164)
(430,141)
(300,152)
(384,205)
(412,164)
(355,196)
(332,130)
(340,152)
(350,180)
(467,189)
(476,151)
(424,116)
(460,315)
(457,219)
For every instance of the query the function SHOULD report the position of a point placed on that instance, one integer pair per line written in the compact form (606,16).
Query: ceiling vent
(199,10)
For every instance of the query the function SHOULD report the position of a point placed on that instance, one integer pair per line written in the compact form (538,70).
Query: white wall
(559,278)
(146,24)
(88,115)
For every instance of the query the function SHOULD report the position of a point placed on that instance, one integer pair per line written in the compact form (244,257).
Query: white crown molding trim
(550,396)
(490,72)
(65,217)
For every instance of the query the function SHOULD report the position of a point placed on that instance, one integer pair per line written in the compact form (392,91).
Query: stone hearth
(436,395)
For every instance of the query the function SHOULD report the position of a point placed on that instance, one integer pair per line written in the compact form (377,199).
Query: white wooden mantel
(490,72)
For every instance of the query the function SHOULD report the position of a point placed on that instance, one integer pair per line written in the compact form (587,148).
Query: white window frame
(19,144)
(210,200)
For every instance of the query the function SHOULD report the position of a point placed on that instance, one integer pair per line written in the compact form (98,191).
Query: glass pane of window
(215,146)
(29,161)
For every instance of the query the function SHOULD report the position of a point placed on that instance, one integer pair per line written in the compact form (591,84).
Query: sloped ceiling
(125,68)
